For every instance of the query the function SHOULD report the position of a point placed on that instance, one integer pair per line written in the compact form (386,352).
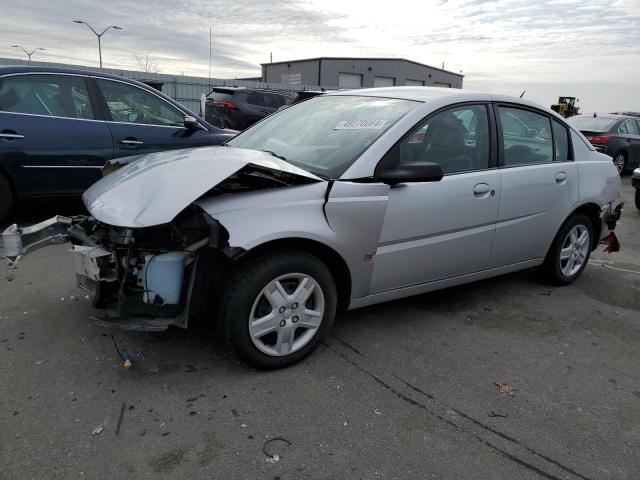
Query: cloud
(505,42)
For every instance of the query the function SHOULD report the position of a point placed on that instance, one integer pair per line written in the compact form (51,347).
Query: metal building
(335,72)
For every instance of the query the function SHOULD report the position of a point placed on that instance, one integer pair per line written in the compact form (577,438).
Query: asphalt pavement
(505,378)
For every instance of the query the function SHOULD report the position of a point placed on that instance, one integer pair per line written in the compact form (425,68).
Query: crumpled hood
(155,188)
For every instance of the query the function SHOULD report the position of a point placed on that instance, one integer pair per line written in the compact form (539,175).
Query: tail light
(598,139)
(227,105)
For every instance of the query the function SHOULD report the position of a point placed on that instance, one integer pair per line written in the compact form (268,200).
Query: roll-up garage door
(349,80)
(384,81)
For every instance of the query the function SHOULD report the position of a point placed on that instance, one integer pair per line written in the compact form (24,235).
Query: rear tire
(258,313)
(6,198)
(638,198)
(620,161)
(569,252)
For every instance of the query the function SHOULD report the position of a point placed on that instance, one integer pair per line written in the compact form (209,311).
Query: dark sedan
(616,135)
(58,127)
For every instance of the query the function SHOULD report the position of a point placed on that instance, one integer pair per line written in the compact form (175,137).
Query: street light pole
(99,35)
(27,52)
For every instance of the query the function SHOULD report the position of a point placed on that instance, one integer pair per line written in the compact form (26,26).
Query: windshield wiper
(270,152)
(317,174)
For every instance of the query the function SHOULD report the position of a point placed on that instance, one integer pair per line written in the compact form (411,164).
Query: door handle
(131,142)
(561,177)
(11,136)
(481,189)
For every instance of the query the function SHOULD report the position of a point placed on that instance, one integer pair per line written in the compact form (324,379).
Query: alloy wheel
(574,250)
(286,314)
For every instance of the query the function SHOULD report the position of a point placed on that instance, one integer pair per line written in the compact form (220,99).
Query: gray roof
(372,59)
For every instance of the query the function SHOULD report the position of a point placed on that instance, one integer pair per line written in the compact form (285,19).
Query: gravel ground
(406,389)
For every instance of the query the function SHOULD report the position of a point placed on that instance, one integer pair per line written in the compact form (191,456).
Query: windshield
(325,135)
(587,122)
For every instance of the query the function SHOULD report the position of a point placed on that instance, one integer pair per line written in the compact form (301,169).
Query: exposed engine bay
(143,278)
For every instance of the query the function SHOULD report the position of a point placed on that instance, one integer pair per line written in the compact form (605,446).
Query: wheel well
(332,259)
(592,211)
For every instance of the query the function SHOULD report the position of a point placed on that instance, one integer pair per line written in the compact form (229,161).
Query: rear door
(258,105)
(142,122)
(51,138)
(539,183)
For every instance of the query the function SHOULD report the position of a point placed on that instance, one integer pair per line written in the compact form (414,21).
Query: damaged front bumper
(141,280)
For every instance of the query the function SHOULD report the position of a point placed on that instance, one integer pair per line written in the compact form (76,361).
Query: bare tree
(147,63)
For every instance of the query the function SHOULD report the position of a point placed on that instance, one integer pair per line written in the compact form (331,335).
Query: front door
(50,140)
(539,184)
(438,230)
(143,122)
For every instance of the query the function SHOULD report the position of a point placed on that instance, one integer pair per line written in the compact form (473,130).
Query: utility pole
(27,52)
(271,57)
(210,51)
(99,35)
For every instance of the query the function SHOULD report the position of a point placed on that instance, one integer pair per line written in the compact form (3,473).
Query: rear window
(221,94)
(588,122)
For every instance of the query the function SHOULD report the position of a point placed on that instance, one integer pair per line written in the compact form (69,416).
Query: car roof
(428,94)
(72,71)
(236,88)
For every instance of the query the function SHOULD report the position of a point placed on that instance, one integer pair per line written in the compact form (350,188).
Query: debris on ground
(273,457)
(41,362)
(126,360)
(120,418)
(98,430)
(493,414)
(504,388)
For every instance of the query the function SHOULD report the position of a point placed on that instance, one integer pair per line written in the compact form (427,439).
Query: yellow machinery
(566,107)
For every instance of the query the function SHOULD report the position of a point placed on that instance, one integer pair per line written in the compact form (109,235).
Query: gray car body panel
(351,227)
(388,237)
(155,188)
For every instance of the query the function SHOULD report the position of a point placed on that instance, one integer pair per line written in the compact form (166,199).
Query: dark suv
(58,127)
(240,107)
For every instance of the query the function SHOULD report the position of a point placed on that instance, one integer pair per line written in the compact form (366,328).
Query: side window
(50,95)
(273,100)
(456,139)
(255,98)
(622,129)
(526,137)
(629,127)
(131,104)
(561,142)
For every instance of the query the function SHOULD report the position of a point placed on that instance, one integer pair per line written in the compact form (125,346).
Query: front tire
(6,198)
(637,198)
(570,251)
(277,308)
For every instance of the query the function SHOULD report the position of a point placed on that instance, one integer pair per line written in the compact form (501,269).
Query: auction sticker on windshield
(360,125)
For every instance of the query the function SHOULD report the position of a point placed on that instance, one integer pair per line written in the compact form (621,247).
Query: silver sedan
(341,201)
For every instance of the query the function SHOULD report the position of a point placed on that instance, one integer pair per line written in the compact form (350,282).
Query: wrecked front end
(148,254)
(140,278)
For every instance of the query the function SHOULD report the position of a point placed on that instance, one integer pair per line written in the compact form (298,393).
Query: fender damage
(141,250)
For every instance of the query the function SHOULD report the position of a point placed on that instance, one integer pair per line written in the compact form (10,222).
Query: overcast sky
(549,48)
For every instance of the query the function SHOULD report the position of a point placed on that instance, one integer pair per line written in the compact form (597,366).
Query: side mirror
(190,123)
(412,172)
